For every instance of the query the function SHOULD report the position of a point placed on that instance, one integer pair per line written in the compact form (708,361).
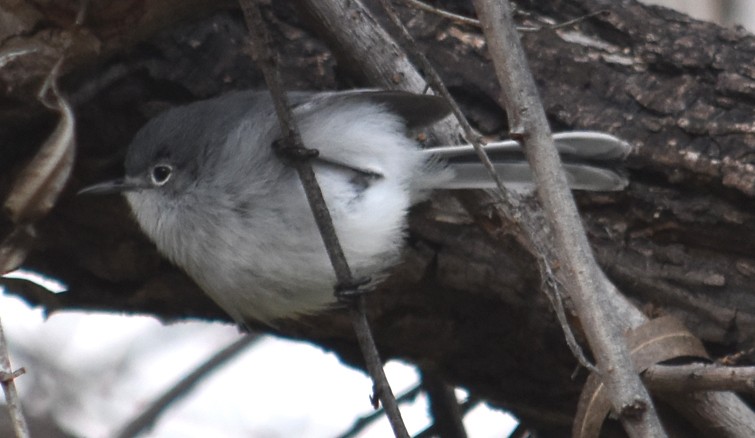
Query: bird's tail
(592,161)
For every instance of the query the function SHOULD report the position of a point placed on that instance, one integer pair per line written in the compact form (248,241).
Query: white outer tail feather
(594,152)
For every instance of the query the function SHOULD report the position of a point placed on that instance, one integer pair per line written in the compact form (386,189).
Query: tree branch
(447,416)
(699,377)
(362,422)
(293,145)
(7,375)
(434,80)
(528,124)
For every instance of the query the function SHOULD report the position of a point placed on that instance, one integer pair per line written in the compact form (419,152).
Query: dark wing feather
(416,110)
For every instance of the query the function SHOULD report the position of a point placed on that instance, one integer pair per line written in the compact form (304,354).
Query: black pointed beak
(119,185)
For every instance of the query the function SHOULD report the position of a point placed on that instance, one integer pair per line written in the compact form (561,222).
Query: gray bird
(206,185)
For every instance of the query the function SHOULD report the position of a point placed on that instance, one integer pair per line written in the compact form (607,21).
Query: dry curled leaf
(15,247)
(38,186)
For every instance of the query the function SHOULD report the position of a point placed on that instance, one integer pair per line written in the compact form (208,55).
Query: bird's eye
(161,174)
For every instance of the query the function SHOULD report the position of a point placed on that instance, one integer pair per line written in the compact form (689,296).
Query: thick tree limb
(679,241)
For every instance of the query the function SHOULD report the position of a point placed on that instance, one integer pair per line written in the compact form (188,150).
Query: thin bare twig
(443,13)
(444,408)
(529,125)
(434,80)
(146,419)
(735,358)
(267,61)
(468,21)
(12,400)
(382,389)
(699,377)
(362,422)
(561,25)
(511,204)
(553,294)
(465,407)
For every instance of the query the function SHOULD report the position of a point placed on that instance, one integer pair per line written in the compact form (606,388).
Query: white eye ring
(161,174)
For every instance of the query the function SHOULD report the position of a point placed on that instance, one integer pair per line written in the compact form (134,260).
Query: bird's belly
(271,263)
(268,277)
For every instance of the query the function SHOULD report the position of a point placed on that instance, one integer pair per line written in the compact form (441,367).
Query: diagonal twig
(7,376)
(444,408)
(468,21)
(528,123)
(432,430)
(512,206)
(553,293)
(700,377)
(147,418)
(362,422)
(267,61)
(434,80)
(362,35)
(456,18)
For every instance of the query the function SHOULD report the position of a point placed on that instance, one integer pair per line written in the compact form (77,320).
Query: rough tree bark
(465,302)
